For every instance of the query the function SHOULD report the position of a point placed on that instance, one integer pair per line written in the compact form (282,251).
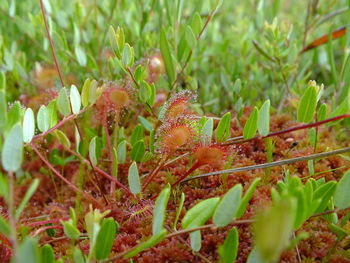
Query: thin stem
(154,173)
(100,171)
(12,218)
(295,128)
(51,43)
(59,124)
(272,164)
(180,232)
(60,176)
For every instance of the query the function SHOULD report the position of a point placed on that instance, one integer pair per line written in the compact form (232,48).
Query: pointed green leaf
(307,106)
(154,240)
(247,196)
(168,60)
(223,130)
(228,250)
(159,211)
(226,210)
(207,131)
(200,213)
(251,125)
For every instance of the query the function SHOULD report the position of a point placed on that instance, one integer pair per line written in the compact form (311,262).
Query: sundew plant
(174,131)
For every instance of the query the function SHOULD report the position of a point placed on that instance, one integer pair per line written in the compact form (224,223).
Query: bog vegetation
(174,131)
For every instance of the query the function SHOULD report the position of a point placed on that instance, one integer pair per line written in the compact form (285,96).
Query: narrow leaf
(307,106)
(168,60)
(105,238)
(228,250)
(247,196)
(159,211)
(251,125)
(134,179)
(226,210)
(264,119)
(223,129)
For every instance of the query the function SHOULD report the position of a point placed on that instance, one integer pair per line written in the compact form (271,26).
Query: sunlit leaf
(134,179)
(12,152)
(251,125)
(159,211)
(28,125)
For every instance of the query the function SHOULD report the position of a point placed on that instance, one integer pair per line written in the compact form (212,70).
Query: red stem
(154,173)
(60,176)
(51,43)
(295,128)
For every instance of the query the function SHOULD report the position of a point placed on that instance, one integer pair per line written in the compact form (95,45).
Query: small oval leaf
(28,125)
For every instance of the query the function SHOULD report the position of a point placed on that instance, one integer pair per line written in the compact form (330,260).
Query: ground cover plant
(174,131)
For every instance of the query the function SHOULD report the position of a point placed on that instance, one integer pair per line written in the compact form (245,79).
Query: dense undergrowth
(174,131)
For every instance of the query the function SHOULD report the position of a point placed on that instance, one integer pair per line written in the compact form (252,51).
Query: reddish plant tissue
(180,131)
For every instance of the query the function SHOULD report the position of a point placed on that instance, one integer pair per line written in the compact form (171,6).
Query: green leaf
(127,56)
(207,131)
(120,39)
(28,251)
(226,210)
(145,123)
(138,150)
(196,23)
(264,119)
(14,115)
(77,256)
(179,209)
(273,229)
(251,125)
(339,231)
(159,211)
(31,190)
(145,91)
(4,226)
(154,240)
(3,109)
(190,37)
(307,106)
(63,102)
(196,240)
(136,135)
(43,119)
(342,192)
(228,250)
(62,138)
(223,130)
(85,93)
(92,151)
(51,108)
(134,179)
(105,238)
(121,152)
(254,257)
(70,230)
(322,112)
(75,99)
(200,213)
(247,196)
(28,125)
(47,254)
(168,60)
(81,56)
(2,81)
(12,152)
